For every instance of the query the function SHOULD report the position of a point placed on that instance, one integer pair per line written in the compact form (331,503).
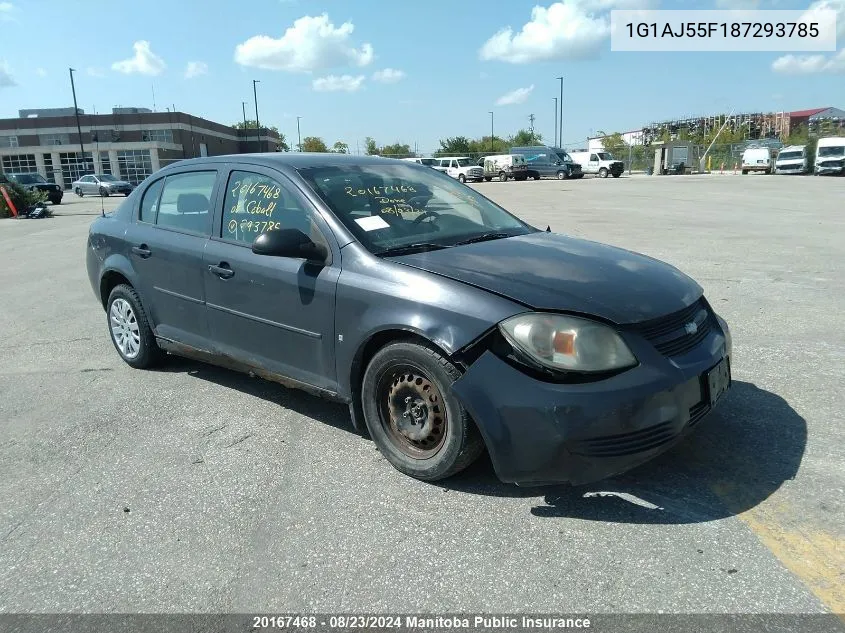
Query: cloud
(144,62)
(40,72)
(7,11)
(810,64)
(195,69)
(92,71)
(515,96)
(571,29)
(816,63)
(6,79)
(312,43)
(388,75)
(335,83)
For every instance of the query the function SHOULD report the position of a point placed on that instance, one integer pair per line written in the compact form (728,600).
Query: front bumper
(544,433)
(837,170)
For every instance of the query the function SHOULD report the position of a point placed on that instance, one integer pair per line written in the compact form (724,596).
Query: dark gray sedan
(446,324)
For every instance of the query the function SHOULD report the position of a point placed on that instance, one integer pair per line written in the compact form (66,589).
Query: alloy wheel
(124,328)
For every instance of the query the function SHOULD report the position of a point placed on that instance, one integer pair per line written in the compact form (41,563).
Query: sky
(412,71)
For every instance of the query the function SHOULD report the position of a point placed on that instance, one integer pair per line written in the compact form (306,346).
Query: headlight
(568,343)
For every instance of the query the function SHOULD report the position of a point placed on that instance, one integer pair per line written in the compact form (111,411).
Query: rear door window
(185,202)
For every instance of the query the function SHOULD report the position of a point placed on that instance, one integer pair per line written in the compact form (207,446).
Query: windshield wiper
(484,237)
(408,249)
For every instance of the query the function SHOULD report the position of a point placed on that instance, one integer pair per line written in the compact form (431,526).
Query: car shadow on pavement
(741,454)
(332,413)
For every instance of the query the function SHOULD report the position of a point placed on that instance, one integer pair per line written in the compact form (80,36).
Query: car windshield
(427,161)
(605,156)
(464,162)
(390,206)
(832,151)
(29,179)
(788,155)
(107,178)
(563,156)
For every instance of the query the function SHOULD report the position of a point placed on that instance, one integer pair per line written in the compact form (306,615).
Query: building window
(54,139)
(48,168)
(105,163)
(74,166)
(8,141)
(20,164)
(161,136)
(135,165)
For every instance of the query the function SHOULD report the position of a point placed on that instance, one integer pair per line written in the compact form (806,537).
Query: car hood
(548,271)
(119,183)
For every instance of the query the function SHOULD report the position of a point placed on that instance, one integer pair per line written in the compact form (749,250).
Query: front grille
(674,335)
(697,412)
(626,443)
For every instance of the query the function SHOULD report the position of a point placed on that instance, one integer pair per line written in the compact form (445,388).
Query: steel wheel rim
(124,328)
(412,411)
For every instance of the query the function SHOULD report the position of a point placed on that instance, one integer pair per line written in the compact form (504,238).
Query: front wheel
(488,178)
(78,192)
(562,175)
(616,174)
(104,192)
(503,176)
(129,329)
(413,417)
(603,172)
(461,178)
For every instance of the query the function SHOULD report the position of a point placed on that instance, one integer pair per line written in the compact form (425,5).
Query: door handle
(223,271)
(143,251)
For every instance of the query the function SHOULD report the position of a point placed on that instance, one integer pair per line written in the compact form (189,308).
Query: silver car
(101,185)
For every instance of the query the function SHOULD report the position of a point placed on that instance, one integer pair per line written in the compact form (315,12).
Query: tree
(314,144)
(340,148)
(250,125)
(616,145)
(455,145)
(526,138)
(371,147)
(396,150)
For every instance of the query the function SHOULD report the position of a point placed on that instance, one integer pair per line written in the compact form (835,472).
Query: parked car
(100,185)
(428,162)
(505,167)
(830,156)
(447,324)
(461,168)
(544,161)
(792,160)
(36,182)
(598,163)
(757,159)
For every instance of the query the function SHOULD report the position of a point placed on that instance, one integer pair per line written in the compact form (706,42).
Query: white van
(830,156)
(599,163)
(757,159)
(460,168)
(792,160)
(505,167)
(428,162)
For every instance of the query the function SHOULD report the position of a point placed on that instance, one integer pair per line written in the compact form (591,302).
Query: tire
(488,178)
(536,175)
(78,192)
(616,174)
(56,201)
(447,440)
(603,172)
(503,177)
(124,308)
(104,192)
(562,175)
(461,178)
(744,172)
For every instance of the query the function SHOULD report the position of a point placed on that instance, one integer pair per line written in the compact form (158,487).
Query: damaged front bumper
(540,432)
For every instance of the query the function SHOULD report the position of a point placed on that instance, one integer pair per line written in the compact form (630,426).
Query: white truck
(830,156)
(460,168)
(792,160)
(598,163)
(505,167)
(757,159)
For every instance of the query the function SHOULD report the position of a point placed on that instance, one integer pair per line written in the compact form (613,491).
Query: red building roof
(807,113)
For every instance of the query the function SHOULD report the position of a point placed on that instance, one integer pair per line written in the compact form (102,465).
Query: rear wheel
(503,176)
(104,192)
(488,178)
(744,172)
(603,172)
(412,416)
(78,192)
(461,178)
(129,329)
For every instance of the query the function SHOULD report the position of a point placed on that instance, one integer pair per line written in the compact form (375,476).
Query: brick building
(129,143)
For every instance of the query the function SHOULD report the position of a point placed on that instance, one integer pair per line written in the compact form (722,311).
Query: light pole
(257,125)
(492,151)
(78,126)
(561,111)
(555,121)
(243,108)
(298,134)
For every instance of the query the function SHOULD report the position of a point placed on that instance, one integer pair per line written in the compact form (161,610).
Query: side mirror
(291,243)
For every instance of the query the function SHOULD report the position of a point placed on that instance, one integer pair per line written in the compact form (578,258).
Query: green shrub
(21,198)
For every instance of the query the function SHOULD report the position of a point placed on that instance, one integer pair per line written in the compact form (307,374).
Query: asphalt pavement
(192,488)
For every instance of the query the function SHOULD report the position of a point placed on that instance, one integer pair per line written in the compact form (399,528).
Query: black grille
(673,335)
(697,412)
(626,443)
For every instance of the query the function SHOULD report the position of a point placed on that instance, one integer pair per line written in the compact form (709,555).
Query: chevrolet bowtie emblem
(691,327)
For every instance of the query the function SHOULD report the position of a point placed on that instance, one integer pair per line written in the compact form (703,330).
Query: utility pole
(298,134)
(555,143)
(531,123)
(78,126)
(561,112)
(492,151)
(257,124)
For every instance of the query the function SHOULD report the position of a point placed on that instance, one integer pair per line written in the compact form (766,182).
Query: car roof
(294,160)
